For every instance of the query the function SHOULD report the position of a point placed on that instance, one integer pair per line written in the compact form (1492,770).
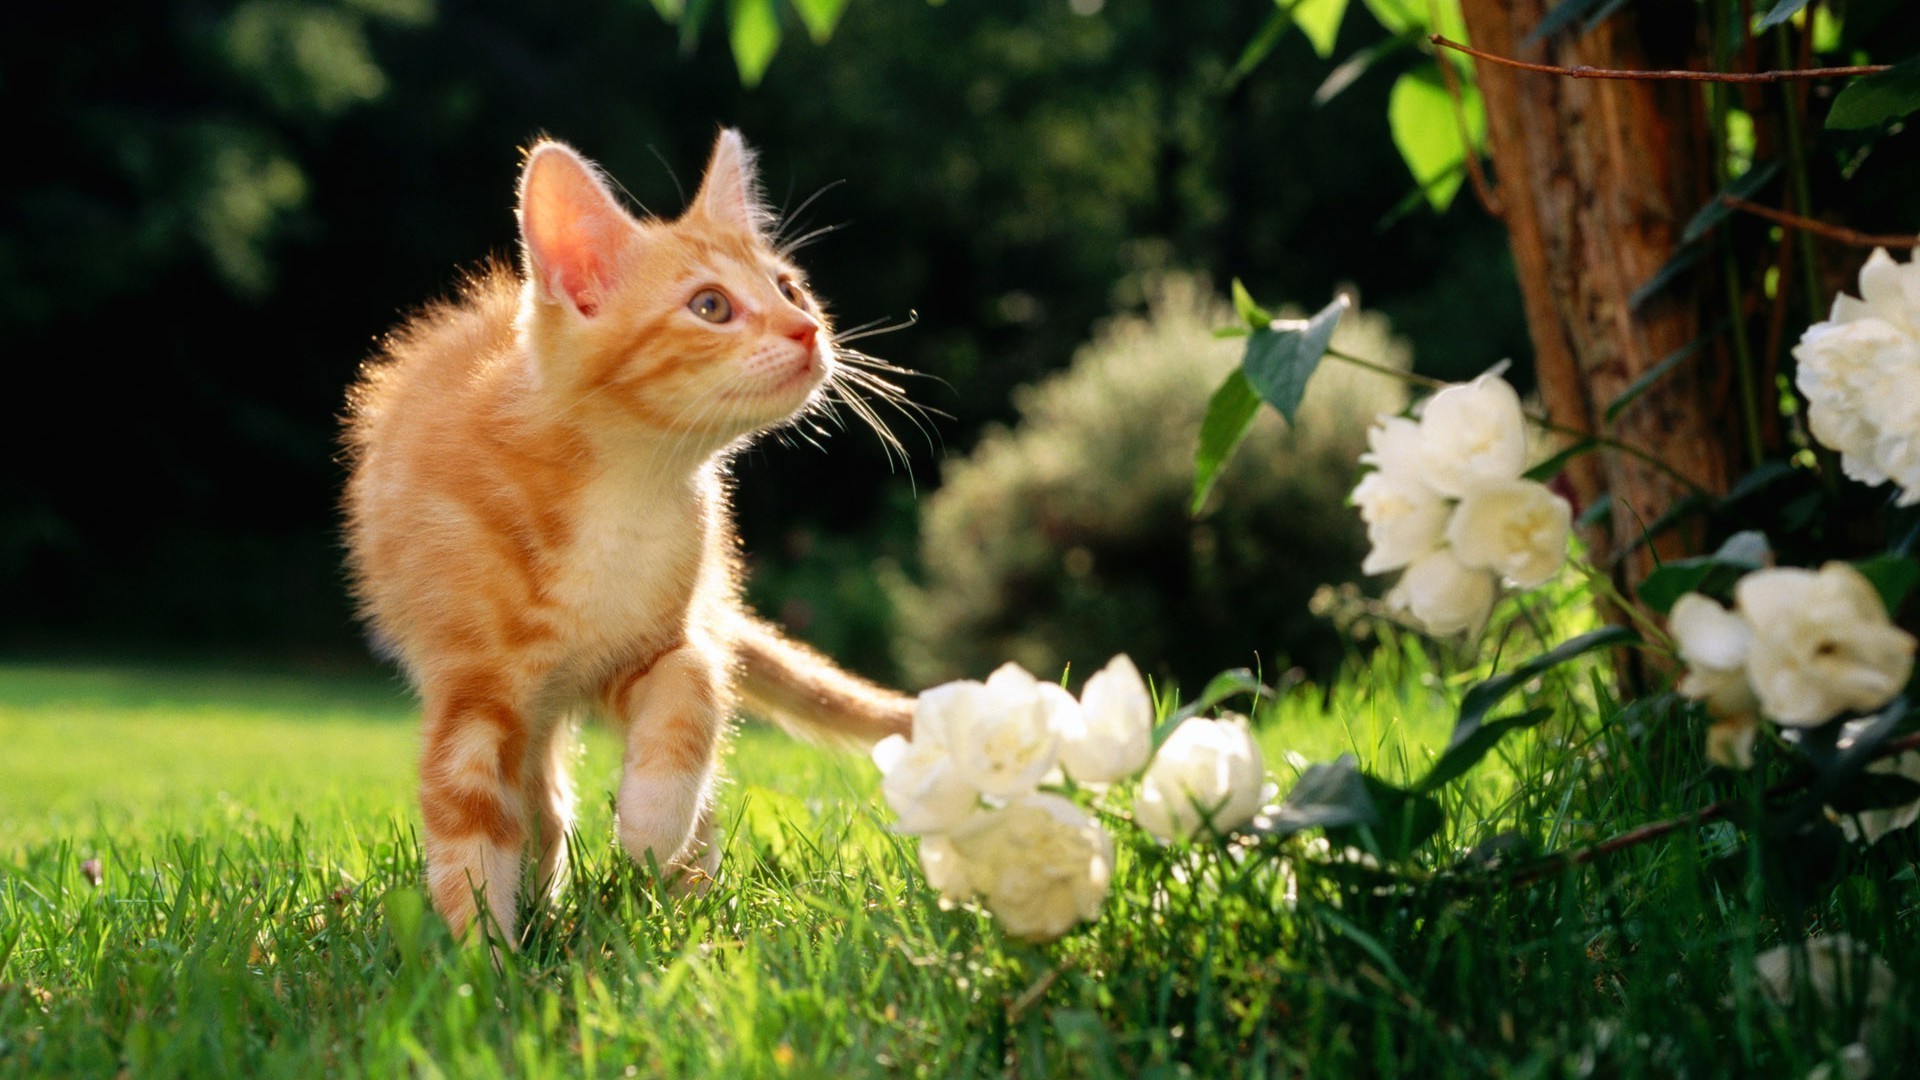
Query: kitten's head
(695,327)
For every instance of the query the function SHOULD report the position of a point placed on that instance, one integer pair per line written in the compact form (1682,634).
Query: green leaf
(1404,820)
(1357,65)
(1893,577)
(1470,744)
(1563,15)
(1660,371)
(1320,21)
(1229,414)
(1355,809)
(753,29)
(1278,363)
(1327,795)
(1551,467)
(1679,262)
(1426,131)
(1600,510)
(1872,100)
(1261,46)
(820,17)
(1742,553)
(1227,684)
(1480,700)
(1716,211)
(1781,11)
(1762,477)
(1253,314)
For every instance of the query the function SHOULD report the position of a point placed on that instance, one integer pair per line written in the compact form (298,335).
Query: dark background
(210,211)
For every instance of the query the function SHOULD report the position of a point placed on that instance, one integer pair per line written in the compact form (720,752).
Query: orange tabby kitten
(538,521)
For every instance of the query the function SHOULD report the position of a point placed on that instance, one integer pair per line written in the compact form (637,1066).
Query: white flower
(1714,642)
(1860,372)
(1868,826)
(1405,519)
(1110,736)
(1470,433)
(1837,969)
(1040,862)
(1002,735)
(1394,446)
(919,780)
(1515,528)
(1822,644)
(1443,594)
(947,870)
(1209,773)
(1730,742)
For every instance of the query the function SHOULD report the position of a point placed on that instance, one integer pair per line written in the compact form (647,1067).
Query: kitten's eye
(711,305)
(794,293)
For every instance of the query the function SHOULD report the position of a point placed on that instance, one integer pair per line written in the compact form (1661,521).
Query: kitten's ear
(730,193)
(572,229)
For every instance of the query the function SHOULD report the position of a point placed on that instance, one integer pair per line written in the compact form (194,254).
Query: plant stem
(1581,71)
(1608,442)
(1567,860)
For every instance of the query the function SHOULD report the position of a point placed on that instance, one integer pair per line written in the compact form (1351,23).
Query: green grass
(260,914)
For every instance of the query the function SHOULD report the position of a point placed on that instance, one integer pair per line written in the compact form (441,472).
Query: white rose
(1405,519)
(1714,642)
(1040,862)
(1110,736)
(1209,773)
(1003,734)
(1730,742)
(920,783)
(1836,968)
(1860,372)
(946,869)
(1470,433)
(1822,644)
(1394,446)
(1868,826)
(1515,528)
(1444,595)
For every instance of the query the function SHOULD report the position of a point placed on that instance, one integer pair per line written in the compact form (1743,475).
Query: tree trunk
(1595,181)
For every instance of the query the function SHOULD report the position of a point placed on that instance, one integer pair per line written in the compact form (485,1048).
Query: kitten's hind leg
(548,791)
(673,715)
(471,764)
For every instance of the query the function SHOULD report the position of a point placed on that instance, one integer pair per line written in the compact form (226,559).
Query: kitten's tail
(807,694)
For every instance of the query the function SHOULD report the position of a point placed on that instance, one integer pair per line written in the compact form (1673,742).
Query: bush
(1067,539)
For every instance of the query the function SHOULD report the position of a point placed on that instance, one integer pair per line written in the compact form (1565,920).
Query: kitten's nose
(804,332)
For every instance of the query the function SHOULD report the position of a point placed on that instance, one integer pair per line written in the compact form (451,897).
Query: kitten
(538,523)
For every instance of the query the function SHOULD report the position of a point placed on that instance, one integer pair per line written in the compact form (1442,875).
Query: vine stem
(1605,441)
(1582,71)
(1839,234)
(1554,864)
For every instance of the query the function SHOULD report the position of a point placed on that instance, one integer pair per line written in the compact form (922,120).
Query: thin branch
(1837,233)
(1482,189)
(1582,71)
(1554,864)
(1598,440)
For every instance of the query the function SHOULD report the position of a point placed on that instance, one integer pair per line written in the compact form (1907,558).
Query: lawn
(257,912)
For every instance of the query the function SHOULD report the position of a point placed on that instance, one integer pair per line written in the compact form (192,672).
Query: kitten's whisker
(788,221)
(786,248)
(875,328)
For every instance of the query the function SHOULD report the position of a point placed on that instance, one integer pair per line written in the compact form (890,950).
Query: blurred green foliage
(1065,538)
(215,208)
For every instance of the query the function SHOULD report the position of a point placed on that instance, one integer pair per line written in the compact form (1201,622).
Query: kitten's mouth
(808,373)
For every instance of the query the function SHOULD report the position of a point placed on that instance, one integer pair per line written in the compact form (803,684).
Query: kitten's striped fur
(538,522)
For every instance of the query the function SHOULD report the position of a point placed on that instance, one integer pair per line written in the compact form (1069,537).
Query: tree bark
(1595,180)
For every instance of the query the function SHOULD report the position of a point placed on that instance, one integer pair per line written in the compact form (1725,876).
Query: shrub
(1066,539)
